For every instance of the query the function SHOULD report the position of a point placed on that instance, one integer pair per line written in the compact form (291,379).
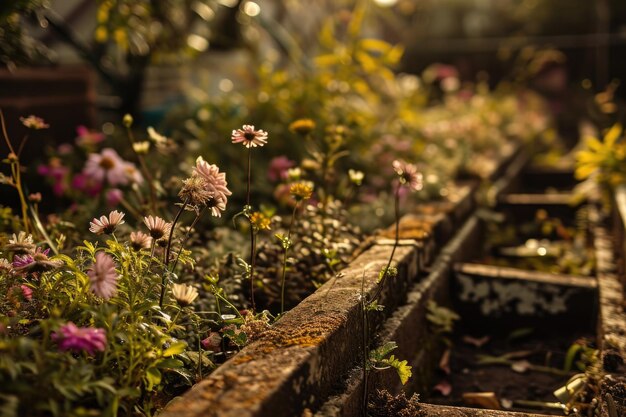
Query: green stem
(167,253)
(186,238)
(286,248)
(380,287)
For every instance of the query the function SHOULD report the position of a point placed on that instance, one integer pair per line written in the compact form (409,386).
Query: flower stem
(186,238)
(145,171)
(286,248)
(380,287)
(252,234)
(16,171)
(166,258)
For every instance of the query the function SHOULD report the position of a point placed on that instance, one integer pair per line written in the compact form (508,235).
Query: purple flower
(37,261)
(78,339)
(103,276)
(87,138)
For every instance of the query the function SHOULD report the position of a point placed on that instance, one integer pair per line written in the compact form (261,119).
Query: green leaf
(175,348)
(401,367)
(570,355)
(153,378)
(169,363)
(381,352)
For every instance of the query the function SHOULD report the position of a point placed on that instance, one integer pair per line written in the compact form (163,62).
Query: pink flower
(78,339)
(36,261)
(27,292)
(87,185)
(110,167)
(249,137)
(408,175)
(215,183)
(278,168)
(57,172)
(103,276)
(106,225)
(87,138)
(213,342)
(114,196)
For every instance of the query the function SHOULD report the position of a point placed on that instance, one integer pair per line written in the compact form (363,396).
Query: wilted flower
(157,226)
(260,221)
(37,261)
(140,240)
(5,266)
(184,294)
(106,225)
(249,137)
(356,177)
(302,126)
(109,166)
(103,276)
(34,122)
(195,190)
(301,191)
(408,175)
(76,339)
(21,243)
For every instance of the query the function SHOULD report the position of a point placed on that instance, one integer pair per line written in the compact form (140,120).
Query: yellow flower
(260,221)
(301,190)
(606,156)
(302,126)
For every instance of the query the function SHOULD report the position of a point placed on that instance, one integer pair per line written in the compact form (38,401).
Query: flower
(356,177)
(301,190)
(57,172)
(6,266)
(184,294)
(196,191)
(302,126)
(141,147)
(127,120)
(278,167)
(27,292)
(73,338)
(140,240)
(156,136)
(294,174)
(106,225)
(103,276)
(157,226)
(34,197)
(87,138)
(21,243)
(260,221)
(249,137)
(114,196)
(34,122)
(215,182)
(408,175)
(108,165)
(37,261)
(213,342)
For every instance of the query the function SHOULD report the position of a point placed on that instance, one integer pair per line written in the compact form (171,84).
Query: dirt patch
(513,383)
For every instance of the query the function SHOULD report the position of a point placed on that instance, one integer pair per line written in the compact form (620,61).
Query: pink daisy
(106,225)
(408,175)
(103,276)
(249,137)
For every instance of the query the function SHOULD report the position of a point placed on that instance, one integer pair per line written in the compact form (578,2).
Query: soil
(509,386)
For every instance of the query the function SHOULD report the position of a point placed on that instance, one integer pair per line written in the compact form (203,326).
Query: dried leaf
(476,341)
(443,387)
(482,399)
(520,366)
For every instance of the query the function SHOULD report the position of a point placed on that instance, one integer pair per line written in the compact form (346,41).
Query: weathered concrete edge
(612,317)
(408,327)
(294,364)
